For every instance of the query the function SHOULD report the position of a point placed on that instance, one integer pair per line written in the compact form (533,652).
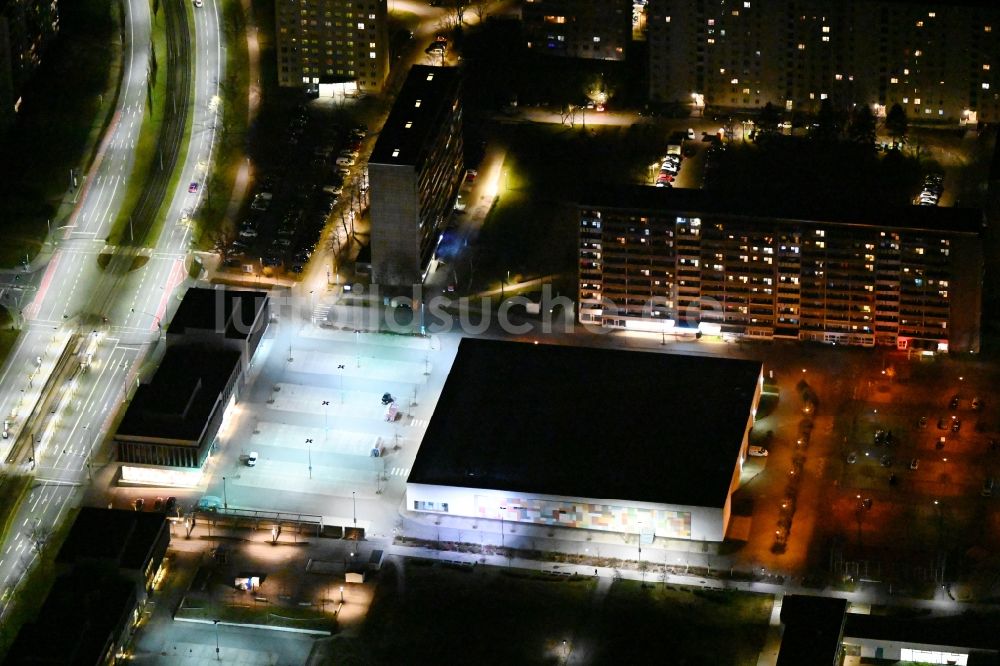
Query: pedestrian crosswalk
(418,423)
(400,471)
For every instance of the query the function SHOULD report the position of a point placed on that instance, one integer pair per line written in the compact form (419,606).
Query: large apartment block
(596,29)
(939,59)
(681,261)
(26,26)
(414,173)
(332,46)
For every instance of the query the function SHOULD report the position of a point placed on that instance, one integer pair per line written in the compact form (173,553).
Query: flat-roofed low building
(228,318)
(813,628)
(414,173)
(131,542)
(600,439)
(673,261)
(174,419)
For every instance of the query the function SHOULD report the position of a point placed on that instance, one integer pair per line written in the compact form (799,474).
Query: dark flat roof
(813,630)
(583,422)
(78,621)
(694,202)
(968,630)
(179,400)
(123,537)
(424,100)
(228,312)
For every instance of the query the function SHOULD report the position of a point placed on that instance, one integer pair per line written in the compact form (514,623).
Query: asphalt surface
(67,280)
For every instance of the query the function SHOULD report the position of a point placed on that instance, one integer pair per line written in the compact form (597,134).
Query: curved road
(72,274)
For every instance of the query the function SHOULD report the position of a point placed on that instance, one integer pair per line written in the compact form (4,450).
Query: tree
(861,128)
(896,123)
(481,8)
(222,242)
(768,120)
(829,124)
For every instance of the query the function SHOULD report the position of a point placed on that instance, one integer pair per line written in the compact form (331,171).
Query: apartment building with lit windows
(26,27)
(686,262)
(332,46)
(414,173)
(940,60)
(598,30)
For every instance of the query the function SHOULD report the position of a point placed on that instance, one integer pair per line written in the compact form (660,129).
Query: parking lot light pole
(225,502)
(218,657)
(341,369)
(309,445)
(502,509)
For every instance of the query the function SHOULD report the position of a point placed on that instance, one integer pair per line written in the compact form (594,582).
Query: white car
(198,3)
(252,459)
(757,451)
(345,161)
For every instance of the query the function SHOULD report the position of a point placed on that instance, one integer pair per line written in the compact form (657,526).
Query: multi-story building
(681,261)
(332,46)
(26,26)
(414,173)
(578,28)
(938,59)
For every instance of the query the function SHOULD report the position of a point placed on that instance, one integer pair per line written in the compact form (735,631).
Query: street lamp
(309,442)
(218,657)
(225,502)
(341,368)
(502,509)
(341,594)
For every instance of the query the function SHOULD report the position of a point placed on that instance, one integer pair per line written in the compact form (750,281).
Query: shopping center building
(601,439)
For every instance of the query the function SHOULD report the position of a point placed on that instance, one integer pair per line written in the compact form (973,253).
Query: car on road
(914,463)
(977,404)
(138,504)
(345,161)
(470,175)
(953,404)
(922,423)
(757,451)
(193,188)
(885,461)
(436,47)
(852,458)
(956,425)
(252,459)
(248,233)
(197,3)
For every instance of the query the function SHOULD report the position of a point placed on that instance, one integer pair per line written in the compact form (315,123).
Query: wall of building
(671,521)
(825,282)
(939,61)
(893,651)
(324,40)
(578,28)
(395,218)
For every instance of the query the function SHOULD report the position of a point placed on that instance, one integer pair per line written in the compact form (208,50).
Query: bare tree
(39,536)
(222,242)
(481,8)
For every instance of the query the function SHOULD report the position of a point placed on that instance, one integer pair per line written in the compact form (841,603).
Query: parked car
(193,188)
(977,404)
(252,459)
(914,464)
(757,451)
(138,504)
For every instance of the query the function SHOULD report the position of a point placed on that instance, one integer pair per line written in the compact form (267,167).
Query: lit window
(361,26)
(371,16)
(597,39)
(916,100)
(917,53)
(734,81)
(986,67)
(395,153)
(826,38)
(839,77)
(409,124)
(894,80)
(667,18)
(826,28)
(802,47)
(371,54)
(986,86)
